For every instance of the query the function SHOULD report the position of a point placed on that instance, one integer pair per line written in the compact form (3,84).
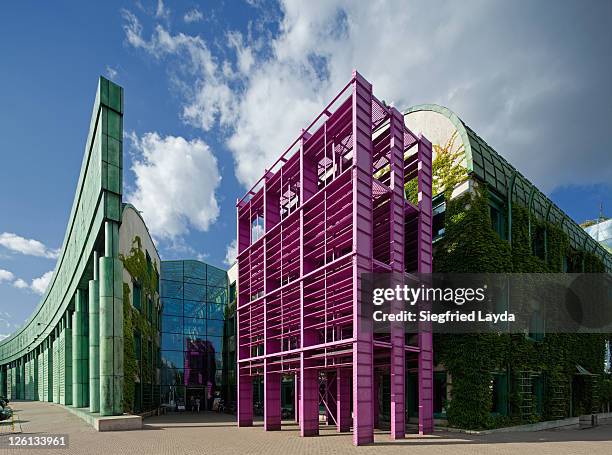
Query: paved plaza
(211,433)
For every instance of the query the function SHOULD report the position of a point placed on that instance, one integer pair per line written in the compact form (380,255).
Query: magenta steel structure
(331,208)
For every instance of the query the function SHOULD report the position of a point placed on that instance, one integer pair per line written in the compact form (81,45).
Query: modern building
(601,230)
(488,217)
(331,208)
(194,298)
(72,350)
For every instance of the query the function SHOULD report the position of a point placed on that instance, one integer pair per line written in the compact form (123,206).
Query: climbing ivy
(135,320)
(471,245)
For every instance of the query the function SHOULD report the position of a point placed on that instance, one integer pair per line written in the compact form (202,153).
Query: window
(536,326)
(439,394)
(150,309)
(137,346)
(538,240)
(438,221)
(149,265)
(137,296)
(499,390)
(498,219)
(232,292)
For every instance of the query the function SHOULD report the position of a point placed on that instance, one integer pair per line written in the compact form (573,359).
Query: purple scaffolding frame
(331,208)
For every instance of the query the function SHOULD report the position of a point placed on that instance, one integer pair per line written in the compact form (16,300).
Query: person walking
(198,404)
(192,403)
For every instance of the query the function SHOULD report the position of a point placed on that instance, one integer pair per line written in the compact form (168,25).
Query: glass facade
(194,298)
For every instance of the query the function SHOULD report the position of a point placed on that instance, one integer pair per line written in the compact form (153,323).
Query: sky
(215,91)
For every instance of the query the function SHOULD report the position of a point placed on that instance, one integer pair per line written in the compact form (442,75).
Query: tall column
(363,347)
(111,324)
(296,398)
(425,264)
(309,400)
(94,339)
(245,400)
(396,217)
(78,354)
(272,399)
(331,397)
(65,356)
(2,381)
(22,378)
(343,400)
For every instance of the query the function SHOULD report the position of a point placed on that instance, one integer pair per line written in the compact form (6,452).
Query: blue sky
(215,90)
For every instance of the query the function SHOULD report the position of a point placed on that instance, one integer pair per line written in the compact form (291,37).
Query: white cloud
(176,180)
(111,72)
(194,15)
(6,275)
(25,246)
(162,12)
(40,284)
(231,253)
(3,336)
(515,82)
(21,284)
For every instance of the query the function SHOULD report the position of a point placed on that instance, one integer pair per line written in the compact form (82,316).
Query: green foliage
(471,245)
(446,171)
(135,320)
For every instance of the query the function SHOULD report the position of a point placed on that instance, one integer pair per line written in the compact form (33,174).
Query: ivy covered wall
(141,326)
(470,244)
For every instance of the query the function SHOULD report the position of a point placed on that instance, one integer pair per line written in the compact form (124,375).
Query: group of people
(194,404)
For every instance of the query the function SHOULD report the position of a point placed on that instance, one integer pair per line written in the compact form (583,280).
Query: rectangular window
(499,390)
(439,395)
(137,346)
(149,265)
(150,310)
(137,296)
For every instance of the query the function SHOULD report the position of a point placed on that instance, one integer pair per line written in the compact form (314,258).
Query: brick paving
(211,433)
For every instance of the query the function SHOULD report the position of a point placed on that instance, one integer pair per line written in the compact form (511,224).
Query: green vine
(471,245)
(137,321)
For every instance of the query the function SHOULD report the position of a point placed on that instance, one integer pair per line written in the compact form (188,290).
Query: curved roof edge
(489,166)
(128,206)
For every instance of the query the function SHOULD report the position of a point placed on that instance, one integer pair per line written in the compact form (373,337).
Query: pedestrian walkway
(217,434)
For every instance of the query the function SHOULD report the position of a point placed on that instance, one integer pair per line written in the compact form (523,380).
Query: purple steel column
(396,218)
(296,398)
(331,398)
(272,378)
(309,378)
(425,266)
(245,383)
(343,400)
(375,399)
(363,355)
(272,399)
(309,400)
(245,401)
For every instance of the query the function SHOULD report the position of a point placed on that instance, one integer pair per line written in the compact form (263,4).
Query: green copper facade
(71,349)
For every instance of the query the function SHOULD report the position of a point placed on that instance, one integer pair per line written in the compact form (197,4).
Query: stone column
(111,324)
(78,354)
(2,381)
(94,339)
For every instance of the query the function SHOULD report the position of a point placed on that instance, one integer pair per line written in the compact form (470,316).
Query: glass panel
(195,309)
(195,269)
(195,328)
(195,292)
(172,289)
(172,324)
(173,359)
(172,307)
(216,311)
(216,277)
(215,328)
(172,341)
(216,344)
(217,295)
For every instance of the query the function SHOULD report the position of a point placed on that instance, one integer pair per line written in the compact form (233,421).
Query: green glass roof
(489,166)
